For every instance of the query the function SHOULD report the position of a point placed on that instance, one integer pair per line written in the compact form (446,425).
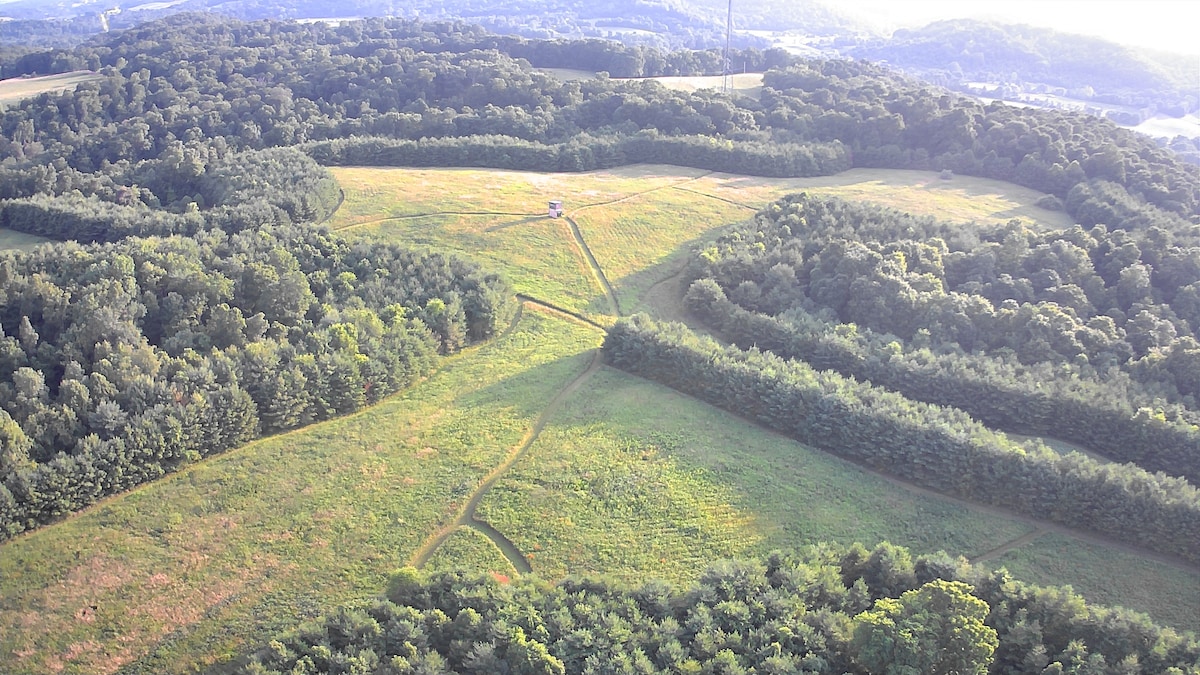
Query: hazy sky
(1170,25)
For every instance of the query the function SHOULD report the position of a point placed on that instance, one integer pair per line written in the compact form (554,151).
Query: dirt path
(1008,546)
(594,266)
(466,514)
(722,199)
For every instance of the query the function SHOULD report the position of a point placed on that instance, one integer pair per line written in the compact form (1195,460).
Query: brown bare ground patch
(158,580)
(24,653)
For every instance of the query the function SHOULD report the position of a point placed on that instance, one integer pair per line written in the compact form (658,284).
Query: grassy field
(214,559)
(637,220)
(960,199)
(17,89)
(625,478)
(1109,576)
(568,74)
(11,240)
(638,480)
(749,84)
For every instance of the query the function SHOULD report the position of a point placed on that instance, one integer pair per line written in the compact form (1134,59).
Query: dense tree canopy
(831,610)
(1087,335)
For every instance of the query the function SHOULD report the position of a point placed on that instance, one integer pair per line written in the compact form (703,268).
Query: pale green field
(960,199)
(568,74)
(638,480)
(15,90)
(1109,576)
(19,241)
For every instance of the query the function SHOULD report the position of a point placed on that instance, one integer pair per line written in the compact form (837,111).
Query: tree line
(1086,335)
(177,96)
(934,446)
(827,610)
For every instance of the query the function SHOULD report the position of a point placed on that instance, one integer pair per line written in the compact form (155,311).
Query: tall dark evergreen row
(938,447)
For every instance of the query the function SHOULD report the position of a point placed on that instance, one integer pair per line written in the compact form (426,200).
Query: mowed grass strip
(201,566)
(636,480)
(16,89)
(748,84)
(1109,576)
(19,241)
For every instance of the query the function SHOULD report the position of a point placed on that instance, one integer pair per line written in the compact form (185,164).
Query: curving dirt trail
(1008,546)
(466,514)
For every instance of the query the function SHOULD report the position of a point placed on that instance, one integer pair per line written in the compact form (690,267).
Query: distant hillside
(814,17)
(659,23)
(1041,61)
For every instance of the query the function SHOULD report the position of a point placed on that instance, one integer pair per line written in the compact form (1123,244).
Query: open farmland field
(15,90)
(524,453)
(19,241)
(749,84)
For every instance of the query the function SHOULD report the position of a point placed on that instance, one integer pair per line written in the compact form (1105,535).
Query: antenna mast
(728,34)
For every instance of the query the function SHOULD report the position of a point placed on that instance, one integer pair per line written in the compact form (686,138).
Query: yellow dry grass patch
(16,89)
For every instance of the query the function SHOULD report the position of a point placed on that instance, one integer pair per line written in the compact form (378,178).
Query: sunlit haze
(1169,25)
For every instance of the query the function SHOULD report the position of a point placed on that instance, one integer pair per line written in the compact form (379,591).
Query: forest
(195,303)
(826,610)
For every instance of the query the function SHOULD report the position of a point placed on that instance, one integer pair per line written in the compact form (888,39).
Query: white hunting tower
(556,209)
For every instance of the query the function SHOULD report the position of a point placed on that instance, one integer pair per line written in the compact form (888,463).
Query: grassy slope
(637,479)
(222,555)
(627,477)
(638,241)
